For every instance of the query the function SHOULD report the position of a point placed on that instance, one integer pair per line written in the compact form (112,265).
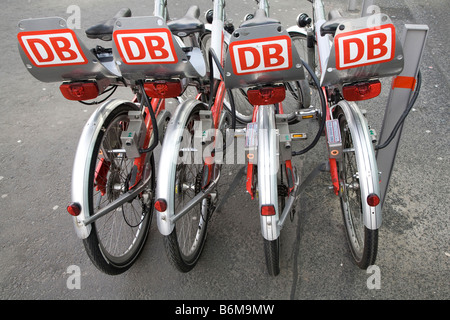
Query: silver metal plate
(144,48)
(53,53)
(261,55)
(363,48)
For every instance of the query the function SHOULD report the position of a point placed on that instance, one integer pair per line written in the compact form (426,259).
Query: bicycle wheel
(185,243)
(363,242)
(116,239)
(243,108)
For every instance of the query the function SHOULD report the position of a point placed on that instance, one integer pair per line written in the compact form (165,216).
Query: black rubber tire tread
(272,254)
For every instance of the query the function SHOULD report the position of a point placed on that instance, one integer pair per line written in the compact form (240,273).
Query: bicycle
(350,56)
(113,178)
(187,199)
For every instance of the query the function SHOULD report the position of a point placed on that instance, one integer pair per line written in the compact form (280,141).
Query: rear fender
(81,166)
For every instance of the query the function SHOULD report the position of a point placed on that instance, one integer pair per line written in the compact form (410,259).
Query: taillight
(74,209)
(163,89)
(267,210)
(362,91)
(161,205)
(266,95)
(79,90)
(373,200)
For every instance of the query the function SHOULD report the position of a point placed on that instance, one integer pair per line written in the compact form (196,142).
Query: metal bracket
(413,42)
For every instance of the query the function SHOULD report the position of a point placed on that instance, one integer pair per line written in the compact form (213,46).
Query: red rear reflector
(373,200)
(163,89)
(74,209)
(362,91)
(265,96)
(268,210)
(79,90)
(161,205)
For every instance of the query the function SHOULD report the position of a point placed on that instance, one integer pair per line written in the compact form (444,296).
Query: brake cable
(144,98)
(324,112)
(404,114)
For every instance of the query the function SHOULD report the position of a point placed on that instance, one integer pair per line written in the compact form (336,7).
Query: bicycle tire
(185,243)
(130,223)
(272,255)
(298,93)
(363,242)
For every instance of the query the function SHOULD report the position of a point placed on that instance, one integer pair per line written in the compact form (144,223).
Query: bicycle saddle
(188,24)
(334,20)
(104,30)
(258,20)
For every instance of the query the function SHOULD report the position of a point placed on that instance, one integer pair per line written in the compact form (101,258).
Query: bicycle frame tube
(264,5)
(217,33)
(161,9)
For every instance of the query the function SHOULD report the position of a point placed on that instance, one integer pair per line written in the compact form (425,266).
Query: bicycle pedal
(309,113)
(298,136)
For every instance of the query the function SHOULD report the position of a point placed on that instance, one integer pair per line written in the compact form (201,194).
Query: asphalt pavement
(39,249)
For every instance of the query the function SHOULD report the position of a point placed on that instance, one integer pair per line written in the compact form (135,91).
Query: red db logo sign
(261,55)
(364,47)
(52,48)
(152,46)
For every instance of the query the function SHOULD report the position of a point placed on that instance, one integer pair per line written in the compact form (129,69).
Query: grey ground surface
(40,131)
